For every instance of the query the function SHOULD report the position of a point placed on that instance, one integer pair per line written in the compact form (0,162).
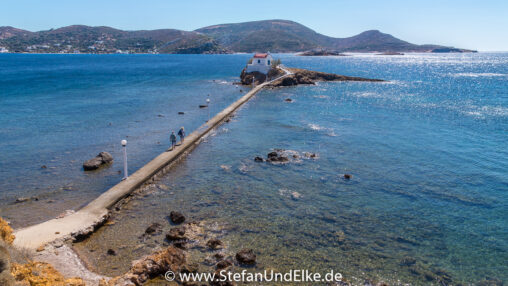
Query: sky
(480,25)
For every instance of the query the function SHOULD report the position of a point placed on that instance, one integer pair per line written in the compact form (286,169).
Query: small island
(321,52)
(262,68)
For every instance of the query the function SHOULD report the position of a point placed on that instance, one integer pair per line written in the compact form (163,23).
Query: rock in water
(258,159)
(272,155)
(246,256)
(106,157)
(95,163)
(348,176)
(176,217)
(275,157)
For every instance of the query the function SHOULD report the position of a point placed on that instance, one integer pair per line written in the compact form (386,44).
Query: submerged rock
(408,261)
(214,243)
(95,163)
(176,217)
(176,233)
(490,281)
(153,229)
(296,195)
(246,256)
(223,264)
(225,167)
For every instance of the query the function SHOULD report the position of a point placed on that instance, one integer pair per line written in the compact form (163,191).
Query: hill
(268,35)
(86,39)
(289,36)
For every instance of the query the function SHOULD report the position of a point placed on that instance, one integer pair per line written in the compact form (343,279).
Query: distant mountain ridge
(268,35)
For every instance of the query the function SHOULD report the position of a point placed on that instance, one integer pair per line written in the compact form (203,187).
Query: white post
(124,147)
(208,104)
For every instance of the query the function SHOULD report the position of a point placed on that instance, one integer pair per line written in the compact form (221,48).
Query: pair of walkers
(172,137)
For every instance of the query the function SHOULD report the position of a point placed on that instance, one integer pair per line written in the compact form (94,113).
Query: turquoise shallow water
(427,151)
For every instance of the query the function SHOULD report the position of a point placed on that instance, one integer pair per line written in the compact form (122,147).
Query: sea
(427,151)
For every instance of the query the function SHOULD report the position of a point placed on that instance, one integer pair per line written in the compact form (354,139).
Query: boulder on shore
(5,268)
(169,259)
(95,163)
(6,232)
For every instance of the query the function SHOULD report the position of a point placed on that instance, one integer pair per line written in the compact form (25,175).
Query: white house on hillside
(260,63)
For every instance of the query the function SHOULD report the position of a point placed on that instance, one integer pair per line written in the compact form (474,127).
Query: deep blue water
(60,110)
(427,151)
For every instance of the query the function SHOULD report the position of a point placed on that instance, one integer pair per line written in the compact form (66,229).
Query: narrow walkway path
(86,219)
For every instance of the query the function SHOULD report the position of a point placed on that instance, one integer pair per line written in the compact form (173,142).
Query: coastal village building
(260,63)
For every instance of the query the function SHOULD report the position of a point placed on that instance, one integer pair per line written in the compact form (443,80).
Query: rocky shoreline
(297,77)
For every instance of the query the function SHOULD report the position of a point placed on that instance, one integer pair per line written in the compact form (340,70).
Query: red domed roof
(261,56)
